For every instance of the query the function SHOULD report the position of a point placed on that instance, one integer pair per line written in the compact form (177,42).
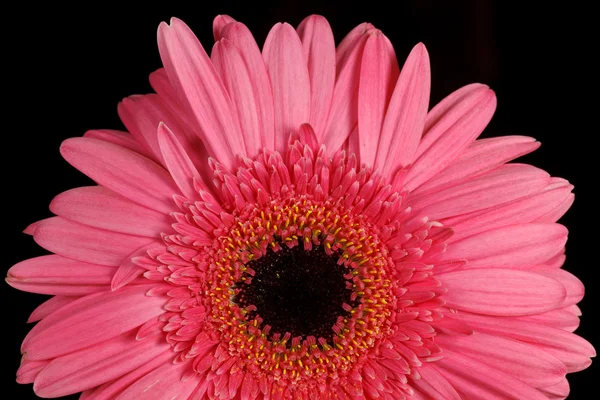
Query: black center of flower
(297,291)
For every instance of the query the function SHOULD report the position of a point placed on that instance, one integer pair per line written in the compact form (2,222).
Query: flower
(296,225)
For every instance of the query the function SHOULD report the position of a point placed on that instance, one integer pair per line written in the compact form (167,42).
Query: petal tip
(30,229)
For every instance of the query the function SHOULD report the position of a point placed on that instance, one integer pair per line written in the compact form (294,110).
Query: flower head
(297,224)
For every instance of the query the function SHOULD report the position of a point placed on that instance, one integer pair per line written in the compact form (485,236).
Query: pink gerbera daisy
(296,224)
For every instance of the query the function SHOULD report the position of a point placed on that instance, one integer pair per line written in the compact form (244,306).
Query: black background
(68,67)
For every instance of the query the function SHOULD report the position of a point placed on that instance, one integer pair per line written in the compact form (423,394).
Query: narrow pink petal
(83,243)
(57,275)
(100,207)
(522,361)
(448,135)
(148,111)
(201,91)
(219,23)
(352,144)
(159,80)
(141,115)
(124,172)
(167,109)
(557,212)
(243,40)
(527,209)
(29,370)
(434,385)
(482,156)
(570,349)
(442,111)
(350,42)
(128,270)
(307,135)
(574,287)
(502,185)
(405,117)
(319,51)
(378,75)
(510,246)
(343,116)
(49,306)
(110,390)
(561,318)
(475,380)
(178,163)
(235,76)
(99,317)
(97,364)
(163,383)
(501,291)
(557,261)
(288,71)
(30,229)
(123,139)
(559,391)
(573,362)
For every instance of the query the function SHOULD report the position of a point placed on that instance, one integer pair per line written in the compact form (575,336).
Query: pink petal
(288,71)
(235,76)
(405,117)
(141,115)
(475,380)
(483,155)
(570,349)
(522,211)
(307,135)
(560,318)
(178,163)
(378,75)
(83,243)
(450,127)
(110,390)
(343,115)
(123,139)
(49,306)
(219,24)
(161,85)
(30,229)
(352,144)
(510,246)
(558,211)
(501,291)
(522,361)
(163,383)
(57,275)
(97,364)
(128,270)
(91,320)
(502,185)
(99,207)
(319,51)
(350,42)
(124,172)
(574,287)
(559,391)
(434,385)
(557,261)
(201,91)
(243,40)
(29,370)
(169,111)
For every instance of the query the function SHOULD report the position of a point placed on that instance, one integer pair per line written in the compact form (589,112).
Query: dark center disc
(297,291)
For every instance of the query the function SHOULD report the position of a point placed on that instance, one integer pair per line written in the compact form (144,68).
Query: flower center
(299,288)
(297,291)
